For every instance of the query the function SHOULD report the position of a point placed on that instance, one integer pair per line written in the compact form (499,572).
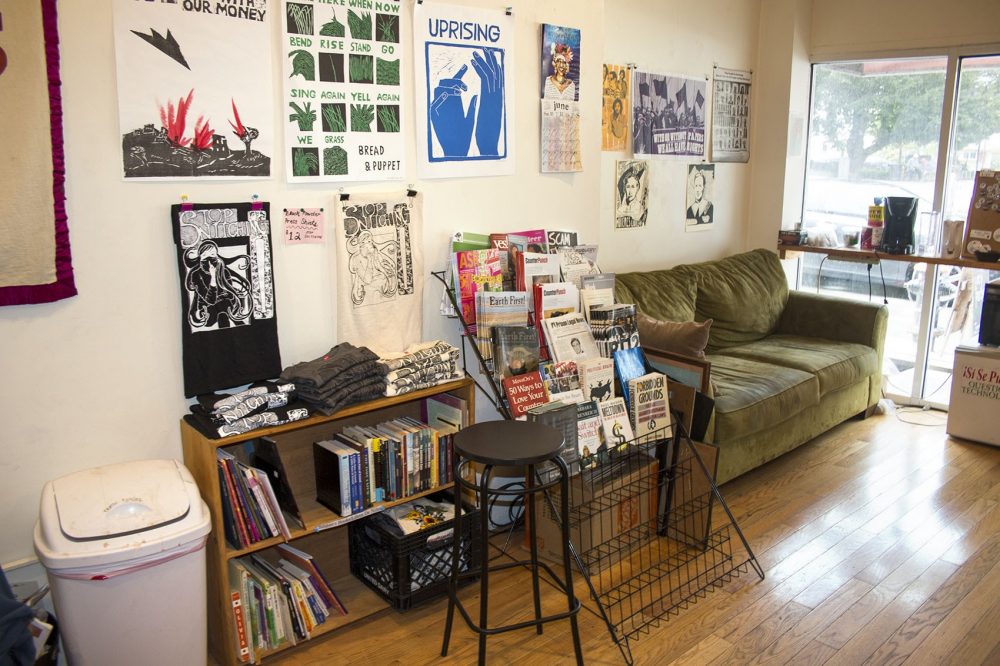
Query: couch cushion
(745,295)
(751,396)
(680,337)
(835,364)
(667,294)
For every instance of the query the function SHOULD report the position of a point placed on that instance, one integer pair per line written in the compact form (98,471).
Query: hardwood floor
(880,541)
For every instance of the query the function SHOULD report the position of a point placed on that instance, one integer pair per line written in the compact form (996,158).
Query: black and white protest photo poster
(561,59)
(700,214)
(194,88)
(380,268)
(229,327)
(668,115)
(464,63)
(631,193)
(343,101)
(730,115)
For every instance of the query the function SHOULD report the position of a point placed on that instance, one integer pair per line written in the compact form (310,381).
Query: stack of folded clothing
(343,376)
(422,365)
(262,404)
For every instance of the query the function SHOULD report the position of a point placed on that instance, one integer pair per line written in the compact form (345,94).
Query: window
(876,131)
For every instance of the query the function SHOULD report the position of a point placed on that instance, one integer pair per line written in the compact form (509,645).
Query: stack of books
(278,596)
(250,508)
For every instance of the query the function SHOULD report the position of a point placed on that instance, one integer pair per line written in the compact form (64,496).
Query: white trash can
(124,547)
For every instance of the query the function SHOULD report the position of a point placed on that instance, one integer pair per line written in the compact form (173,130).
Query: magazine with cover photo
(569,338)
(515,351)
(498,308)
(614,327)
(478,270)
(575,262)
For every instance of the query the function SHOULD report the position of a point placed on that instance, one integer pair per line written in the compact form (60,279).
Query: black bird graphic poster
(194,88)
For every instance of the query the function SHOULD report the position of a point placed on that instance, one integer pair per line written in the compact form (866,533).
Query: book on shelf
(308,563)
(363,446)
(569,338)
(445,410)
(515,351)
(615,423)
(498,308)
(577,261)
(629,364)
(614,327)
(524,392)
(553,299)
(650,407)
(558,238)
(597,378)
(250,504)
(332,464)
(295,627)
(477,270)
(267,458)
(239,595)
(588,429)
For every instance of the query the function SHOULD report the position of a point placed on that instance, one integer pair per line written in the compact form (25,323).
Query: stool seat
(510,443)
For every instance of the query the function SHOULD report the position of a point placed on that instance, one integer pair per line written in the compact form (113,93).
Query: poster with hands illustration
(464,99)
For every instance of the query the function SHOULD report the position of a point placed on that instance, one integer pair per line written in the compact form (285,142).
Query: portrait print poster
(343,99)
(631,193)
(465,97)
(229,329)
(194,88)
(700,215)
(668,115)
(730,115)
(560,127)
(380,272)
(615,107)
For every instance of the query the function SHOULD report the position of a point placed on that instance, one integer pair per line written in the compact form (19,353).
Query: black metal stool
(509,444)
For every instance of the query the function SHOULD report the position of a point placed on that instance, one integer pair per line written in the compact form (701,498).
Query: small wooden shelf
(872,256)
(322,536)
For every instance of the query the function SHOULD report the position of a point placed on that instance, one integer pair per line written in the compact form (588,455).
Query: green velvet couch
(786,365)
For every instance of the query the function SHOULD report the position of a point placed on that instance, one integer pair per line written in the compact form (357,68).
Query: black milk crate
(405,570)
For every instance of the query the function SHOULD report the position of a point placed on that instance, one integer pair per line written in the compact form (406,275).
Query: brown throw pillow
(681,337)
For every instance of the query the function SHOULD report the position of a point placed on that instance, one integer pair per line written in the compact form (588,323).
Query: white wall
(679,38)
(844,27)
(96,379)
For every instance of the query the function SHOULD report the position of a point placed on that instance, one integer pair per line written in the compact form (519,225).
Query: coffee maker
(900,220)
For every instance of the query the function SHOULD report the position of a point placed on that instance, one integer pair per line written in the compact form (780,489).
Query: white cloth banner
(194,89)
(343,99)
(380,271)
(465,98)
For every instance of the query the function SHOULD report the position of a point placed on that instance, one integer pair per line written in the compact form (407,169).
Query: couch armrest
(834,319)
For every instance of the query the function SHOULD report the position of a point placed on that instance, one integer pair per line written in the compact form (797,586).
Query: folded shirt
(415,354)
(208,427)
(408,385)
(318,372)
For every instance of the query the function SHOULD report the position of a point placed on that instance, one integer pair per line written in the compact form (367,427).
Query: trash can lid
(116,514)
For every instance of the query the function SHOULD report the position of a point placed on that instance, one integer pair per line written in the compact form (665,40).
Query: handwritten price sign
(303,225)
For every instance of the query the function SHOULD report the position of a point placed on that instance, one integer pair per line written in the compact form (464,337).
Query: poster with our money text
(343,100)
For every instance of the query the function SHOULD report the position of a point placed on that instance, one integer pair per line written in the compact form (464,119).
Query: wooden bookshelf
(873,256)
(324,535)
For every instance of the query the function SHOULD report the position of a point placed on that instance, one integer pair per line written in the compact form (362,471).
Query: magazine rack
(646,531)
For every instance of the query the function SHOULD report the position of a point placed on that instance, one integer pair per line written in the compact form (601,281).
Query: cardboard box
(982,232)
(607,509)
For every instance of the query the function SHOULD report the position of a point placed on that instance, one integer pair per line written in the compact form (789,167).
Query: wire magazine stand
(646,530)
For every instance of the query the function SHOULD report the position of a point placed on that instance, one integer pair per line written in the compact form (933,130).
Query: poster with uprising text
(465,93)
(343,100)
(194,88)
